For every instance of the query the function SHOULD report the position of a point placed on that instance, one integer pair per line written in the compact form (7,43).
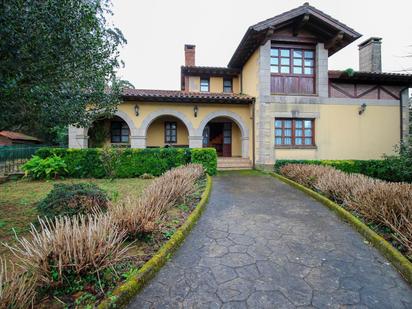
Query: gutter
(253,136)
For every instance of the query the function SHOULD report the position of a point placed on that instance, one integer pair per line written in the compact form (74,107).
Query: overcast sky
(156,31)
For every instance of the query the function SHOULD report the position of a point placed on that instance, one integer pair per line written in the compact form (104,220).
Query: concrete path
(263,244)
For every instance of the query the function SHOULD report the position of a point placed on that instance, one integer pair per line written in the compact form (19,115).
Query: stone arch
(78,137)
(165,112)
(244,130)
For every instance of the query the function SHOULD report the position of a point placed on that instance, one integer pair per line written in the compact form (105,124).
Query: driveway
(263,244)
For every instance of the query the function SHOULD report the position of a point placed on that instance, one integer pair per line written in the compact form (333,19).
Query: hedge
(87,163)
(387,169)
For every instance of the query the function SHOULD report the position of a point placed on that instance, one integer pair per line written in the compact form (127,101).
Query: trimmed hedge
(87,163)
(381,169)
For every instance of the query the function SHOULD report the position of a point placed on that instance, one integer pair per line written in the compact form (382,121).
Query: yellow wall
(236,141)
(145,109)
(250,75)
(341,133)
(156,132)
(216,84)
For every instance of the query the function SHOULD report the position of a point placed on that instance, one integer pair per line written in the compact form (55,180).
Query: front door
(218,135)
(227,139)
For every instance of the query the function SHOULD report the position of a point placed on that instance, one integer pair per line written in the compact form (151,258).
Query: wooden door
(227,139)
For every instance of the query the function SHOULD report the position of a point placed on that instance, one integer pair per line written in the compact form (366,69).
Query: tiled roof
(153,95)
(393,78)
(319,22)
(18,136)
(215,71)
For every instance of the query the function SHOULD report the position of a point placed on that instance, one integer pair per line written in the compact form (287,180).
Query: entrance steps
(233,163)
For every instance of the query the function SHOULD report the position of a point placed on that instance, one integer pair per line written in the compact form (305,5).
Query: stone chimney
(190,53)
(370,55)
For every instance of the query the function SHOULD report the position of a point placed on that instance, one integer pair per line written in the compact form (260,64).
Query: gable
(291,26)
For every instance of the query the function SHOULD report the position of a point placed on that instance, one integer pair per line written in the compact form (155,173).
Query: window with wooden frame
(170,132)
(227,85)
(297,132)
(204,84)
(119,132)
(292,70)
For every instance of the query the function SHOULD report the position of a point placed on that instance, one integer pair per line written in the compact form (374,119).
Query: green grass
(18,200)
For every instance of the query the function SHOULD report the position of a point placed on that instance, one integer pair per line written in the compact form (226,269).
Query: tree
(58,60)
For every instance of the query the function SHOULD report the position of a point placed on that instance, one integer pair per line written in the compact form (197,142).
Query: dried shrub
(17,288)
(73,199)
(80,245)
(140,215)
(386,204)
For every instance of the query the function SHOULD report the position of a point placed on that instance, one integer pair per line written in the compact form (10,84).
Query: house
(276,99)
(8,138)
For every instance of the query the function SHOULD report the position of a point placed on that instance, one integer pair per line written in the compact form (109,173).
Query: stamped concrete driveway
(263,244)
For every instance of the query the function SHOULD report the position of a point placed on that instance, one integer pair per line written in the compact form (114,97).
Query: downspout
(253,135)
(401,111)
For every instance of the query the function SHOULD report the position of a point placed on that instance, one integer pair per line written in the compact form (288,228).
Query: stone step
(231,163)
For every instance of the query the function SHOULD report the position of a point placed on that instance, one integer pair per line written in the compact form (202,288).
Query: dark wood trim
(293,129)
(231,84)
(208,83)
(336,40)
(300,24)
(390,93)
(342,91)
(165,130)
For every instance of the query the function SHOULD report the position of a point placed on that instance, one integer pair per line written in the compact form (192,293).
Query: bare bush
(383,203)
(140,215)
(83,244)
(17,288)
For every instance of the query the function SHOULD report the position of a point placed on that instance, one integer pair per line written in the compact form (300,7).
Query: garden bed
(18,200)
(85,258)
(384,207)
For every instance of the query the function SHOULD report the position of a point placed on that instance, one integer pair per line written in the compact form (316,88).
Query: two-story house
(276,99)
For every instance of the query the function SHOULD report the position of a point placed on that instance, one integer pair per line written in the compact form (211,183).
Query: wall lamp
(136,110)
(362,109)
(195,110)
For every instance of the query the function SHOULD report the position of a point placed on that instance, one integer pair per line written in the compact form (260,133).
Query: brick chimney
(190,53)
(370,55)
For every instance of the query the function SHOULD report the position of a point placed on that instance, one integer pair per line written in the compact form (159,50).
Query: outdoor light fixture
(362,109)
(136,110)
(195,110)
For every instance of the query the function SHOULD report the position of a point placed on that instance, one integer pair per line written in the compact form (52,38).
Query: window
(119,132)
(294,61)
(170,132)
(227,86)
(204,84)
(294,132)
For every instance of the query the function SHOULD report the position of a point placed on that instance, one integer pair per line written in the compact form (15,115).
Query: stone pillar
(195,141)
(78,137)
(245,147)
(405,115)
(322,79)
(137,141)
(264,148)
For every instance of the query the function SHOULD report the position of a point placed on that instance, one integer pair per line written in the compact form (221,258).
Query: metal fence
(13,157)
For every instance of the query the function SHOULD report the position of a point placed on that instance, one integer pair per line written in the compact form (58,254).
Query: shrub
(125,163)
(79,245)
(17,288)
(50,167)
(379,202)
(141,215)
(392,168)
(207,157)
(73,199)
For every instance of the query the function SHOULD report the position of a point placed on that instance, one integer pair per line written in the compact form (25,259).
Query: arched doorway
(167,131)
(224,135)
(227,132)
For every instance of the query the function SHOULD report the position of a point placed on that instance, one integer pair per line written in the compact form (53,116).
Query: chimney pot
(370,55)
(190,53)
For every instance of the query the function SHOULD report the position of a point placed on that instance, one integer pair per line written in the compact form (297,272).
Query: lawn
(18,200)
